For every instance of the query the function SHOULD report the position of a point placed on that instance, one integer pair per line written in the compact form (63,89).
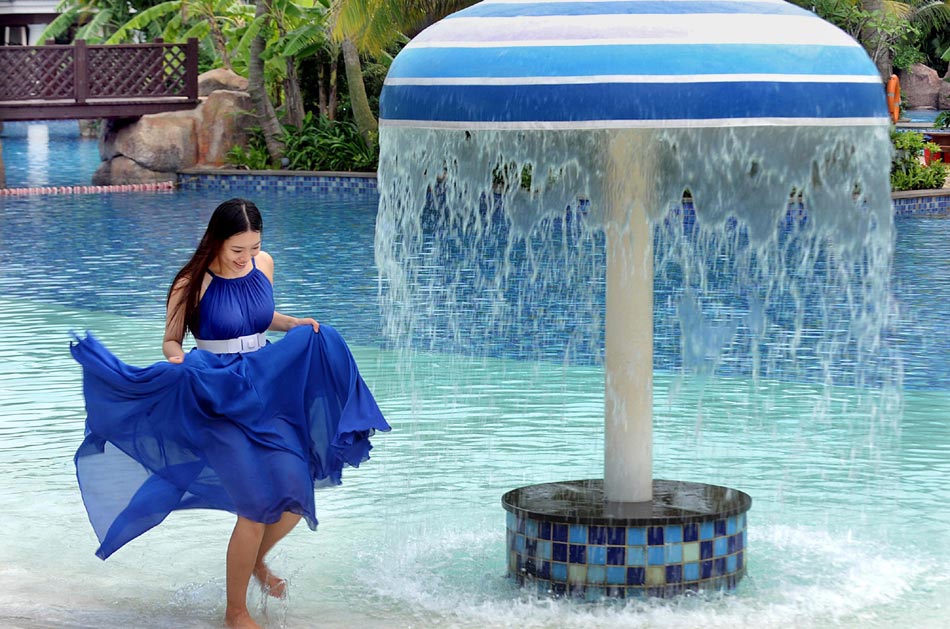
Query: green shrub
(252,157)
(324,144)
(321,144)
(908,171)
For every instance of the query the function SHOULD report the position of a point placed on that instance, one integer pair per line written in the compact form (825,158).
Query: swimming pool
(28,147)
(851,514)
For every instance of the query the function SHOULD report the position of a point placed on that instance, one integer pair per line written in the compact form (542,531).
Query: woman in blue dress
(237,424)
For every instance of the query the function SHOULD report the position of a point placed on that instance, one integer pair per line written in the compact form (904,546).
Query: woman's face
(236,252)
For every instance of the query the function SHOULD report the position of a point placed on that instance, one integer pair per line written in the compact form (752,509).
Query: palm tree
(373,27)
(882,25)
(181,19)
(257,87)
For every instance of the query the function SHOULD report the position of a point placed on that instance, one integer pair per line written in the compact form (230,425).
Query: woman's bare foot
(270,582)
(239,619)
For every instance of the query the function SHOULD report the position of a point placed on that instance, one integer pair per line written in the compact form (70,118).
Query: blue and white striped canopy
(575,64)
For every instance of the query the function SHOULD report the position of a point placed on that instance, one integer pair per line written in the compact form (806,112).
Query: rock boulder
(121,170)
(920,87)
(220,79)
(160,145)
(223,122)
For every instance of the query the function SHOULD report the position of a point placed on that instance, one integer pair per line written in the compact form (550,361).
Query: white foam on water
(798,577)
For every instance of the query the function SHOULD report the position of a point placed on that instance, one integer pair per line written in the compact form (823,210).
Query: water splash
(776,266)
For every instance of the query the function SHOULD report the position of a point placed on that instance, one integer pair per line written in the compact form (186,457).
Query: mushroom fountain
(618,119)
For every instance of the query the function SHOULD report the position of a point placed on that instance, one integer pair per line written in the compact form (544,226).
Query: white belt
(240,345)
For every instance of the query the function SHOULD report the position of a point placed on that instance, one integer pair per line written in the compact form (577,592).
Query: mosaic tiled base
(921,203)
(278,181)
(562,539)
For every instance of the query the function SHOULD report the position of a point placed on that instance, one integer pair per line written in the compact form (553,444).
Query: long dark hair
(234,216)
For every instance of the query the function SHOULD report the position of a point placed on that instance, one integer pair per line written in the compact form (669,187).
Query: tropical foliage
(893,33)
(320,144)
(908,170)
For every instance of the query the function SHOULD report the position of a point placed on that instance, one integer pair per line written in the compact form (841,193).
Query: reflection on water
(849,523)
(29,146)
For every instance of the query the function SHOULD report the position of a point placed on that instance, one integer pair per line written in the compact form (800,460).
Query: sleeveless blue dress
(253,434)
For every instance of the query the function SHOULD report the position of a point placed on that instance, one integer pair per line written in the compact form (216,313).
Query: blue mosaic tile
(674,574)
(720,527)
(559,551)
(706,550)
(731,526)
(636,576)
(596,574)
(597,535)
(636,536)
(616,575)
(578,534)
(674,553)
(636,556)
(691,532)
(531,528)
(655,536)
(739,560)
(531,546)
(544,530)
(559,571)
(616,555)
(706,530)
(673,533)
(731,544)
(731,563)
(519,543)
(705,569)
(720,546)
(597,555)
(559,532)
(544,549)
(616,535)
(577,553)
(691,571)
(719,566)
(656,556)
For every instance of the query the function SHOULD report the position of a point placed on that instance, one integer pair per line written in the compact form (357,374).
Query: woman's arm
(175,324)
(280,322)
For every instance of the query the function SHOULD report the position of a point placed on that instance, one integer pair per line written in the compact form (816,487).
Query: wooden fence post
(191,69)
(81,71)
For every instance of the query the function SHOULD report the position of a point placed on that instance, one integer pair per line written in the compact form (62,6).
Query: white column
(35,31)
(628,357)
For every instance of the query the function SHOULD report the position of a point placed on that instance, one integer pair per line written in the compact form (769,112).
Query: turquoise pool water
(850,523)
(28,148)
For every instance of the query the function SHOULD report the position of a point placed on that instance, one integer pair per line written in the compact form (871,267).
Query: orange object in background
(894,98)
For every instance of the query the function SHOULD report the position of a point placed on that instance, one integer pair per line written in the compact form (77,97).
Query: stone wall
(155,147)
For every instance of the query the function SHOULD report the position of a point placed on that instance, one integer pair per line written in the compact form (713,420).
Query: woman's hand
(284,323)
(310,322)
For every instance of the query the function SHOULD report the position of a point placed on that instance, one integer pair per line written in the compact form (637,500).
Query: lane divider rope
(131,187)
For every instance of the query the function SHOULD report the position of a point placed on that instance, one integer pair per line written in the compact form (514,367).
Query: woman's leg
(273,533)
(242,555)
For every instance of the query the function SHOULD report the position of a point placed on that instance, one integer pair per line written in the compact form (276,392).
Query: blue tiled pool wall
(922,205)
(592,562)
(284,182)
(913,204)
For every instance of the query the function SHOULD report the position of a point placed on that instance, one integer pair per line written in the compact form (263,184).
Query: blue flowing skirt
(253,434)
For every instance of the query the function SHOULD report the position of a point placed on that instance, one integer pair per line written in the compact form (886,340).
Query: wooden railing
(97,81)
